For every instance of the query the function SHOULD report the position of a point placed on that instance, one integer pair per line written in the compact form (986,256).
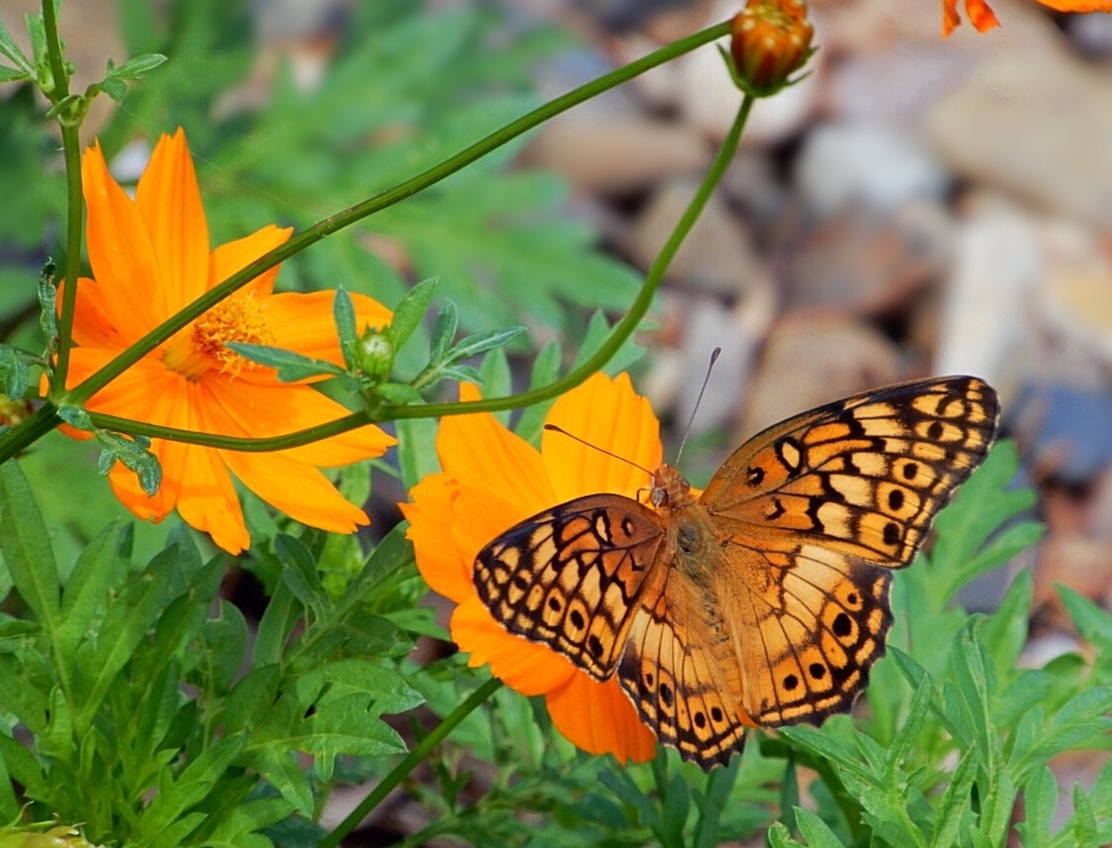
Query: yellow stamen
(200,348)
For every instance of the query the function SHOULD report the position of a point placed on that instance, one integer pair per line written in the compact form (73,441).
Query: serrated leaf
(11,50)
(134,454)
(135,67)
(25,544)
(1092,622)
(100,569)
(416,450)
(447,325)
(461,374)
(815,832)
(290,366)
(76,417)
(1040,798)
(410,311)
(478,343)
(343,313)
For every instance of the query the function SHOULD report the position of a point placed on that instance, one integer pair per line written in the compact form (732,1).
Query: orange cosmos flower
(983,19)
(492,479)
(150,258)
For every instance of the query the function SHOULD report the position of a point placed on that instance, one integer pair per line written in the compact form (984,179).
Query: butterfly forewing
(864,476)
(571,577)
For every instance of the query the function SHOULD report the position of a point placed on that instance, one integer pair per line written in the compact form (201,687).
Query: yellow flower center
(201,347)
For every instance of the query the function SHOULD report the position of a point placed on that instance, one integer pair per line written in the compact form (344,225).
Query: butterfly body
(764,601)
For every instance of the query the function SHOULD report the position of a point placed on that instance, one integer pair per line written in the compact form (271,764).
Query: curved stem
(411,761)
(71,151)
(368,207)
(46,419)
(389,412)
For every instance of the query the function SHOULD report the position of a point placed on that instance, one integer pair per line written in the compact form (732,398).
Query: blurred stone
(997,261)
(866,165)
(1092,34)
(615,154)
(867,262)
(809,360)
(91,33)
(1039,129)
(715,256)
(1065,431)
(738,333)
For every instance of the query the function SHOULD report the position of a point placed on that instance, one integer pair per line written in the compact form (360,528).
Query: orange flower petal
(599,718)
(1079,5)
(297,489)
(120,252)
(980,15)
(300,491)
(168,200)
(438,557)
(208,500)
(978,12)
(234,256)
(478,449)
(304,322)
(258,410)
(529,668)
(611,416)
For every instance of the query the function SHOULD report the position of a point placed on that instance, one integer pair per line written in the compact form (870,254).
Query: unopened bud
(376,355)
(771,40)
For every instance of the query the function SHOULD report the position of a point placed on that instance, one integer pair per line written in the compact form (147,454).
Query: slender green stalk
(383,200)
(412,760)
(390,412)
(46,419)
(74,206)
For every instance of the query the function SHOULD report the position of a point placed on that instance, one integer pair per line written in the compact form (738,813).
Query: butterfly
(764,601)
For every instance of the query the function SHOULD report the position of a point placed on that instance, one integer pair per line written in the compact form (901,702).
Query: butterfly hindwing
(571,577)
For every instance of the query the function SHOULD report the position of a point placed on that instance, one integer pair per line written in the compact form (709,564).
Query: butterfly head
(669,490)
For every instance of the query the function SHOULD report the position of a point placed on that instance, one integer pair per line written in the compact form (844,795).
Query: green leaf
(135,455)
(101,569)
(410,311)
(195,782)
(815,832)
(25,544)
(1040,798)
(416,449)
(343,313)
(291,366)
(447,325)
(11,51)
(1092,622)
(14,371)
(133,69)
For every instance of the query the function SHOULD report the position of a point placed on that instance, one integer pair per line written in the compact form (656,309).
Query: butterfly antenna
(555,429)
(714,354)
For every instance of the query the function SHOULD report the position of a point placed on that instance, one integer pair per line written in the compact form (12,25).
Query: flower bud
(376,355)
(771,40)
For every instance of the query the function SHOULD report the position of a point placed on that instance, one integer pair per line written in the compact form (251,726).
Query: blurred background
(915,206)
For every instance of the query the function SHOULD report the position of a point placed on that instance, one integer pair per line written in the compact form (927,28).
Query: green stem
(38,425)
(388,198)
(71,151)
(412,760)
(390,412)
